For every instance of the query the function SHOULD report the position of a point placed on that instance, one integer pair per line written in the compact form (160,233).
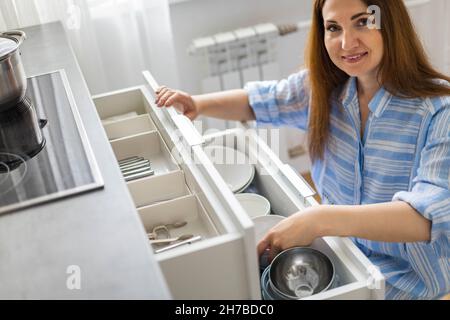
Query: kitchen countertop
(98,232)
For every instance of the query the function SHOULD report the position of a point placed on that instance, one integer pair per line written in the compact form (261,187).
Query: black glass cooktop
(65,166)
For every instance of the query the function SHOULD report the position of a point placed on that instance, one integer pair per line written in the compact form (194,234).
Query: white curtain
(114,40)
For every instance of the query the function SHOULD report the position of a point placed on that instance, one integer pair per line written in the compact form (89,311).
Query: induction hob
(65,166)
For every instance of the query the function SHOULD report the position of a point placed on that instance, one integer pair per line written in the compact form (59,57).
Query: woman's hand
(183,102)
(298,230)
(384,222)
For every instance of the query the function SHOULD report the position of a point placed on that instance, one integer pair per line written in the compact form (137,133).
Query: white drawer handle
(297,181)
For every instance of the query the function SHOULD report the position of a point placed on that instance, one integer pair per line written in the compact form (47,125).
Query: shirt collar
(378,103)
(349,92)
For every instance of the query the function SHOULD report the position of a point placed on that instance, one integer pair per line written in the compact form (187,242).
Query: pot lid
(7,45)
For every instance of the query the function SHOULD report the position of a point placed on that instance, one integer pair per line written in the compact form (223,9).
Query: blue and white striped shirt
(404,155)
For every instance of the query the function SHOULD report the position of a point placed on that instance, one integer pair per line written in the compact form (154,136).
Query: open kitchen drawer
(217,266)
(288,193)
(223,265)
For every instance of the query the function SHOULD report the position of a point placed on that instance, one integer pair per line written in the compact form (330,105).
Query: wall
(433,26)
(198,18)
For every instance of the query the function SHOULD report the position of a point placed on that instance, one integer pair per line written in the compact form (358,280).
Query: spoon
(180,243)
(165,227)
(177,224)
(170,240)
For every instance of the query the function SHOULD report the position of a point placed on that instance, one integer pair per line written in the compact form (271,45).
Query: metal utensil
(170,240)
(175,245)
(136,170)
(144,174)
(135,165)
(175,225)
(165,228)
(161,229)
(130,160)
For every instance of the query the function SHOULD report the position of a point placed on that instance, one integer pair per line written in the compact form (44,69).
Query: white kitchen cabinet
(187,187)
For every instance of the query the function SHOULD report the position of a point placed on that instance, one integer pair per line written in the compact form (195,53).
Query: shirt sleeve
(281,103)
(430,195)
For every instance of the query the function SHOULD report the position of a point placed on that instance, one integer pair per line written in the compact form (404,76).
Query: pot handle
(20,36)
(42,123)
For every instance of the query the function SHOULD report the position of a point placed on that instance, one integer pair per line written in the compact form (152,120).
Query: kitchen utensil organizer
(129,127)
(186,186)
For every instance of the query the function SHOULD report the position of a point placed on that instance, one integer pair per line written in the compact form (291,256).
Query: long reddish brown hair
(404,71)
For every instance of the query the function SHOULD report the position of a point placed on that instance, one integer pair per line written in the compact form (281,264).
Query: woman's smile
(355,58)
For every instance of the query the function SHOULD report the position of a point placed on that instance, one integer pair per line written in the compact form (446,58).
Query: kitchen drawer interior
(150,190)
(207,218)
(185,211)
(123,104)
(148,146)
(267,181)
(129,127)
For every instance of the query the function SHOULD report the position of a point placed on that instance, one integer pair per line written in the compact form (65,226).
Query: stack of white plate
(234,167)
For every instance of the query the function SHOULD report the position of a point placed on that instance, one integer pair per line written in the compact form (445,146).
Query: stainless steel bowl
(266,290)
(300,272)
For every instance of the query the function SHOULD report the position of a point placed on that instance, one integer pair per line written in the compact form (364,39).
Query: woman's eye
(362,22)
(332,28)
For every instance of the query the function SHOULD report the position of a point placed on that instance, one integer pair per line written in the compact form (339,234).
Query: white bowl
(234,166)
(264,223)
(254,204)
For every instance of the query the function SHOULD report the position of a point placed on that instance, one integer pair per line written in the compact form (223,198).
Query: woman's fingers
(168,98)
(183,102)
(268,244)
(164,96)
(161,89)
(297,230)
(176,97)
(274,251)
(263,245)
(160,93)
(157,91)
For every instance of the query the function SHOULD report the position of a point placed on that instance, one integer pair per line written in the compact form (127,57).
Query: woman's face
(351,45)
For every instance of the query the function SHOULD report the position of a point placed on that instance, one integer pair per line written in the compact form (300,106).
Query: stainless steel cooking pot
(21,136)
(13,82)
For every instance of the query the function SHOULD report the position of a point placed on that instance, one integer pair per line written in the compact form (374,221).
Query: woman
(378,120)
